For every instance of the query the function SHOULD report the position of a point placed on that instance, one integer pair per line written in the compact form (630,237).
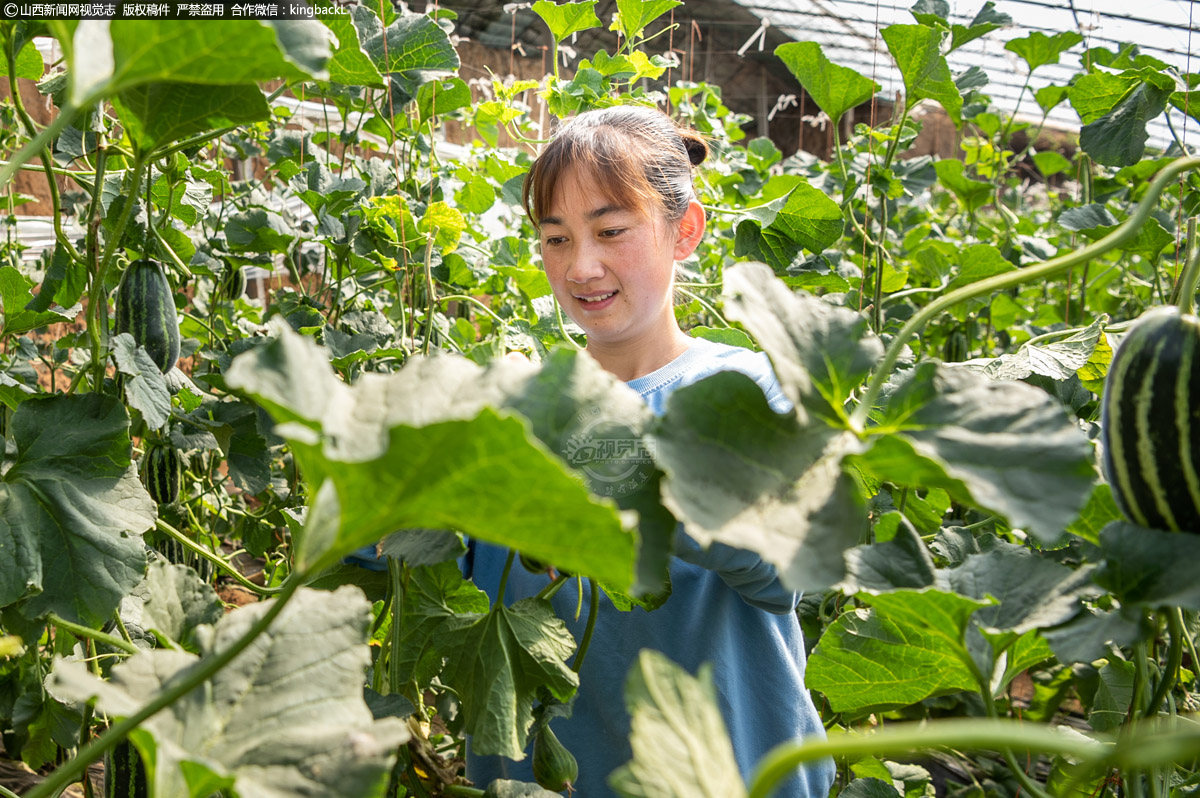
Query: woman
(614,204)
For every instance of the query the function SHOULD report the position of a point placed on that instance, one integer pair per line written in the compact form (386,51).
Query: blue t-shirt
(726,608)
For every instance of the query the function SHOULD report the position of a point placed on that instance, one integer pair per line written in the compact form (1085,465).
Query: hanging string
(671,50)
(1187,95)
(870,154)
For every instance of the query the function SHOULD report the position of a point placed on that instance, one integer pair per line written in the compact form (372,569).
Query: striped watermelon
(162,472)
(233,282)
(146,310)
(1151,423)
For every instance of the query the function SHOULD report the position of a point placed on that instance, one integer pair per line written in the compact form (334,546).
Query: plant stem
(508,564)
(7,793)
(65,115)
(465,792)
(220,562)
(189,680)
(92,634)
(1042,271)
(1174,659)
(969,734)
(593,611)
(1185,289)
(553,587)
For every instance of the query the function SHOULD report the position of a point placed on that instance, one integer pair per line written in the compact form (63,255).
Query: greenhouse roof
(847,31)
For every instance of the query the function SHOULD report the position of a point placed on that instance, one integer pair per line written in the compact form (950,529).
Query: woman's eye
(612,232)
(553,241)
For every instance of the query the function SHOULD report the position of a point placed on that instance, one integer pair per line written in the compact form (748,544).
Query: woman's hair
(638,156)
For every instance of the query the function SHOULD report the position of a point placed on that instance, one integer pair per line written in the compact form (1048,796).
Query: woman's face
(611,267)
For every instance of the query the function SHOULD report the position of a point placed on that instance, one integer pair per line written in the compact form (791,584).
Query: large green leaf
(834,88)
(1119,137)
(1006,447)
(1094,95)
(820,352)
(29,63)
(71,509)
(973,194)
(902,562)
(918,54)
(434,596)
(497,662)
(412,45)
(145,386)
(285,718)
(15,294)
(634,15)
(738,473)
(403,450)
(788,498)
(112,57)
(1037,49)
(778,232)
(680,746)
(936,13)
(1149,567)
(909,646)
(1032,592)
(350,65)
(1058,361)
(170,605)
(158,113)
(563,19)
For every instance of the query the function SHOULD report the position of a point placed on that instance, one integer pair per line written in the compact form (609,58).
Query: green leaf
(427,435)
(435,596)
(869,788)
(15,294)
(908,647)
(675,719)
(29,63)
(1087,638)
(778,232)
(901,562)
(145,386)
(170,605)
(1058,361)
(444,224)
(1088,217)
(563,19)
(1049,97)
(319,188)
(189,201)
(12,393)
(917,51)
(834,88)
(821,353)
(973,194)
(64,283)
(1006,447)
(1037,49)
(112,57)
(1051,162)
(259,230)
(416,47)
(155,114)
(1113,695)
(476,195)
(418,547)
(1101,508)
(787,500)
(349,65)
(1148,567)
(497,662)
(71,509)
(245,449)
(286,717)
(725,335)
(1119,137)
(1095,94)
(634,15)
(985,21)
(507,788)
(439,97)
(1031,592)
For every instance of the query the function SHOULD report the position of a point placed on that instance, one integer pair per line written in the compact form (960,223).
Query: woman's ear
(690,230)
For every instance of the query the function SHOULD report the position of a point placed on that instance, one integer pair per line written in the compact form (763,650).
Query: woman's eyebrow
(593,214)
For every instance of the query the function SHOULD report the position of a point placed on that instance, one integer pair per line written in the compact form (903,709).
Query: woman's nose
(586,265)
